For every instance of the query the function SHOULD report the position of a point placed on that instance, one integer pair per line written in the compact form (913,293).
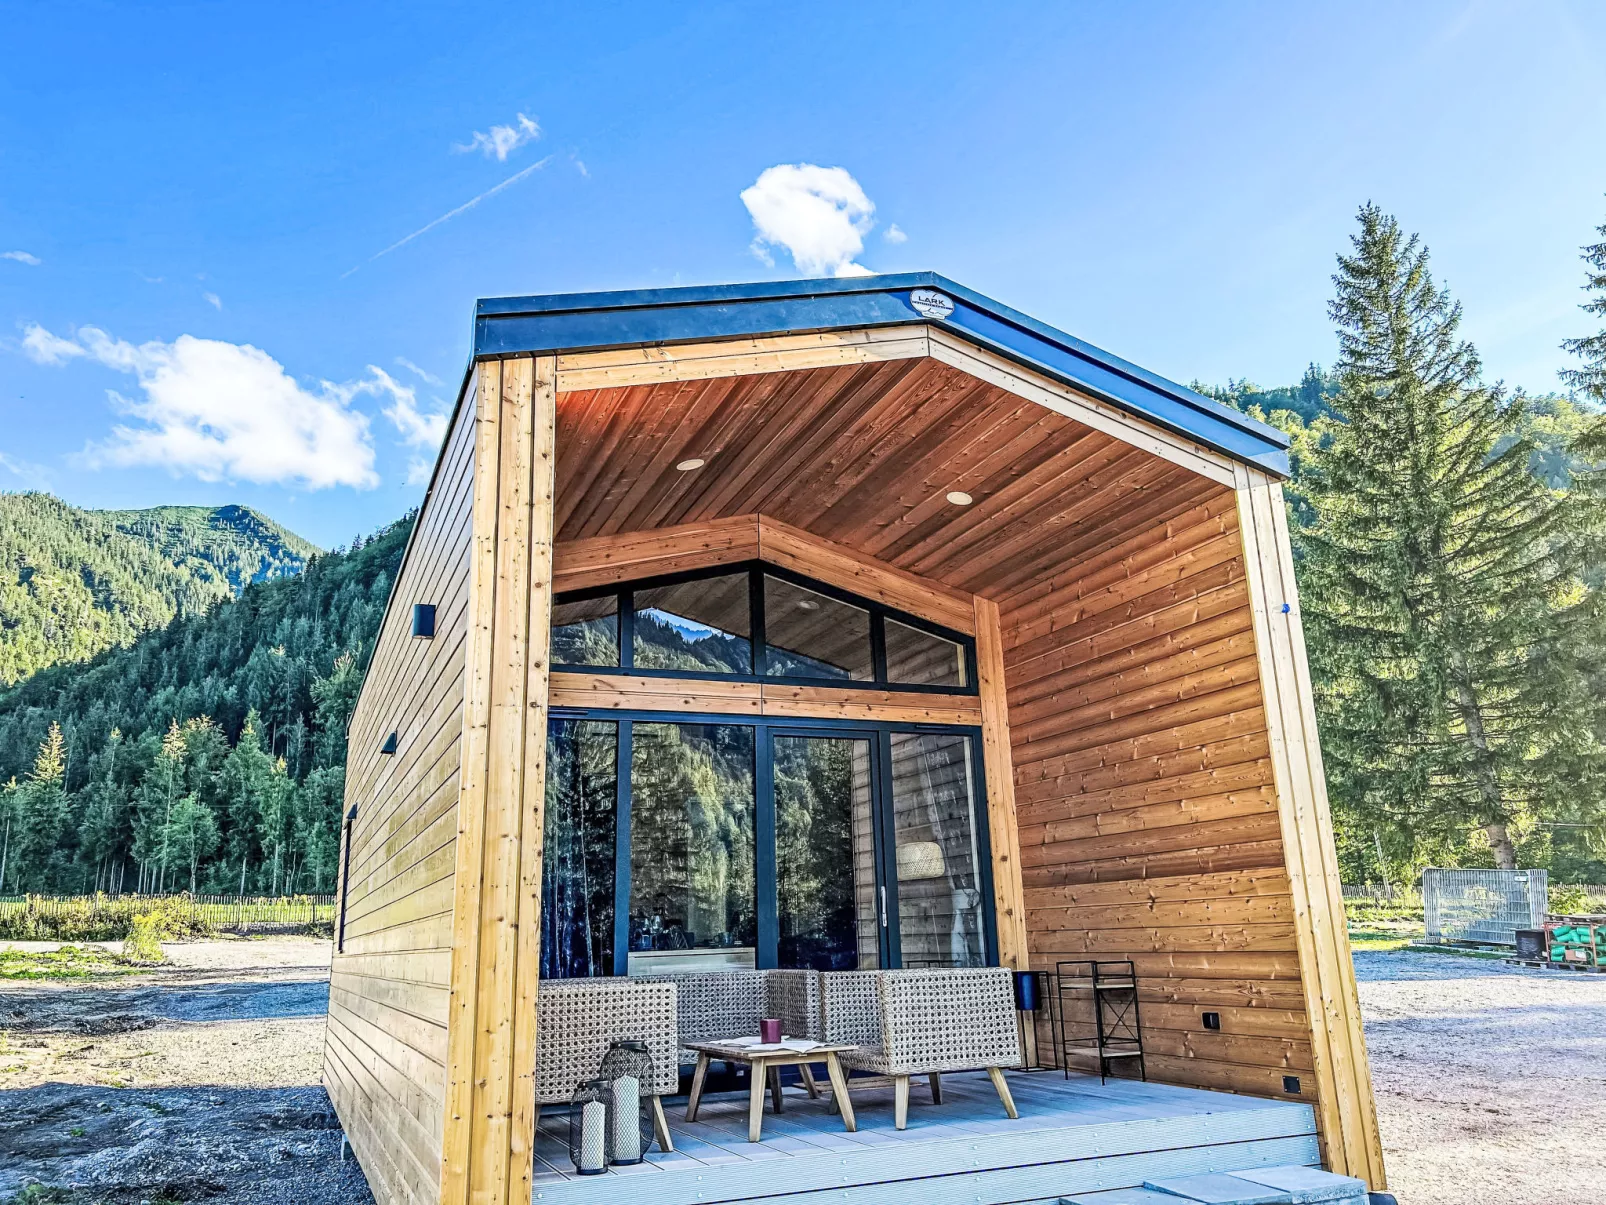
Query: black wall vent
(424,621)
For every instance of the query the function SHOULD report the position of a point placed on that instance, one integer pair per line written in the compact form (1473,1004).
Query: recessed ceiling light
(960,498)
(686,466)
(807,604)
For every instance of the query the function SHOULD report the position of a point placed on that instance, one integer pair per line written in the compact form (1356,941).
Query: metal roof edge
(575,322)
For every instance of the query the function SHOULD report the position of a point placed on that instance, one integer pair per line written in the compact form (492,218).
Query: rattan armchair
(576,1019)
(908,1023)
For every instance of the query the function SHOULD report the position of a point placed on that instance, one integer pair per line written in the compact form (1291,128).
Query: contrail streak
(446,217)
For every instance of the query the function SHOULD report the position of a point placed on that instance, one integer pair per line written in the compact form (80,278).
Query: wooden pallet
(1546,964)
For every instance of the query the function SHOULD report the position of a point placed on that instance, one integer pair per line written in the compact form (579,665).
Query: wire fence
(86,914)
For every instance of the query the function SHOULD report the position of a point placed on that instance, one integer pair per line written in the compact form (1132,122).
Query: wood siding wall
(1144,791)
(385,1049)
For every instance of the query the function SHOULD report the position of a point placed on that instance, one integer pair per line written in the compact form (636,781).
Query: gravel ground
(199,1081)
(1490,1079)
(195,1081)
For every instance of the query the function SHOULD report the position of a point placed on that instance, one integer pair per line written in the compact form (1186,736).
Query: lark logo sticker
(929,303)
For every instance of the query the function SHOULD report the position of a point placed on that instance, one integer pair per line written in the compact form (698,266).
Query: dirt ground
(199,1081)
(1490,1079)
(194,1081)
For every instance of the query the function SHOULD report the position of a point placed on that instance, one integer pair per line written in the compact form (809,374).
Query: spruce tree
(1441,577)
(1590,377)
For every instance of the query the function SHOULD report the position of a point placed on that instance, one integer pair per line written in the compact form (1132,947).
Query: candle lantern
(628,1068)
(590,1121)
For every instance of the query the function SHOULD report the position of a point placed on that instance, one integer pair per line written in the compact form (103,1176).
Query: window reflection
(704,626)
(692,838)
(825,854)
(940,902)
(577,877)
(586,632)
(810,635)
(917,658)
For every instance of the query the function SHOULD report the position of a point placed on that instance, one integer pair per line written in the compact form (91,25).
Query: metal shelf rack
(1108,990)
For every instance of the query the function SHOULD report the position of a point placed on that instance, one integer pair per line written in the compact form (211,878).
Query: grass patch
(69,962)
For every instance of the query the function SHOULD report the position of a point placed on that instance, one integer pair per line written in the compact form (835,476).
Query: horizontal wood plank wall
(1146,800)
(385,1044)
(1347,1113)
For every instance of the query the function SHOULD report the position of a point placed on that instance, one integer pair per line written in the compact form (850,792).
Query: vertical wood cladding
(1144,791)
(385,1050)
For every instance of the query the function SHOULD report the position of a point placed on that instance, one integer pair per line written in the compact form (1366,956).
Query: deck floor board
(1073,1135)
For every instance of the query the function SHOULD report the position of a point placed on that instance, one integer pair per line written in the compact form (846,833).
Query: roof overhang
(580,322)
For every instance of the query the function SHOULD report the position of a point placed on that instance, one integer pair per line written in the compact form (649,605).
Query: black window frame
(765,729)
(756,571)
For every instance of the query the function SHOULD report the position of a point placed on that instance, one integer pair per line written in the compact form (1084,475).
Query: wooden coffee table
(765,1063)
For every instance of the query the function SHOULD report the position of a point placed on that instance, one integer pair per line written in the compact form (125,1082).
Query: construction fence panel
(1483,905)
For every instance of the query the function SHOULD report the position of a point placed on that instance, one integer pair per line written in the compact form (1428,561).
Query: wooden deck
(1073,1136)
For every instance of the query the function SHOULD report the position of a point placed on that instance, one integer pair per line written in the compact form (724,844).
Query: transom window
(756,622)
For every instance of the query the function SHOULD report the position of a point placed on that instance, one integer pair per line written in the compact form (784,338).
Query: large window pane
(586,632)
(704,626)
(809,635)
(692,839)
(825,854)
(918,658)
(940,901)
(577,874)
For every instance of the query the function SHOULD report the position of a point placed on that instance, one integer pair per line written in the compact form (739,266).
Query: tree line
(209,755)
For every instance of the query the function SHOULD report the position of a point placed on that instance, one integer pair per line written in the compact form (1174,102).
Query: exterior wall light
(424,621)
(390,744)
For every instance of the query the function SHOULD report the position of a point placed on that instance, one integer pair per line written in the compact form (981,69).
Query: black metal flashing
(575,322)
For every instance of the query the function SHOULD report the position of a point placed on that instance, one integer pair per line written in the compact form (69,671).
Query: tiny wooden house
(882,529)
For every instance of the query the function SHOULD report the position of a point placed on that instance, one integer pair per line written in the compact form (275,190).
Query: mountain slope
(256,690)
(74,582)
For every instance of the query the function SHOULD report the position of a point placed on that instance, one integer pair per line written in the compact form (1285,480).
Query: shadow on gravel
(98,1010)
(123,1146)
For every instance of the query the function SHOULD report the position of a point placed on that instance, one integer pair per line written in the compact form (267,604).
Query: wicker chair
(713,1005)
(578,1018)
(908,1023)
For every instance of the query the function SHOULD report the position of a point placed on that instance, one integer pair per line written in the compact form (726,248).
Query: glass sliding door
(695,844)
(825,856)
(693,873)
(937,862)
(580,823)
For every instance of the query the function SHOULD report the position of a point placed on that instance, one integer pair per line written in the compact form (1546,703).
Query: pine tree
(1440,578)
(42,813)
(1590,377)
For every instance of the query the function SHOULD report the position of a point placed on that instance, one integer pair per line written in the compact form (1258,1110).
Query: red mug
(769,1030)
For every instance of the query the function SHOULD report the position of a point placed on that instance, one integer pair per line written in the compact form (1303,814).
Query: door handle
(883,905)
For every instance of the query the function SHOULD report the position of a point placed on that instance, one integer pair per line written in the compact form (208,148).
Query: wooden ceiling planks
(864,455)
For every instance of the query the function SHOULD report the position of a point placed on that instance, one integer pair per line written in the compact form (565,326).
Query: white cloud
(22,257)
(428,378)
(894,235)
(502,140)
(419,428)
(221,411)
(44,348)
(418,470)
(819,214)
(213,300)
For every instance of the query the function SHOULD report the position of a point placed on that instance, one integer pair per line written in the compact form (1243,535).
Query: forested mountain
(209,753)
(74,582)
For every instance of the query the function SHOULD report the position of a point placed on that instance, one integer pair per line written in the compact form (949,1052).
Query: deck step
(1219,1188)
(1286,1185)
(1307,1185)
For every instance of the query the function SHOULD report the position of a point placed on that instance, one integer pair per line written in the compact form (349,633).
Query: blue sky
(213,194)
